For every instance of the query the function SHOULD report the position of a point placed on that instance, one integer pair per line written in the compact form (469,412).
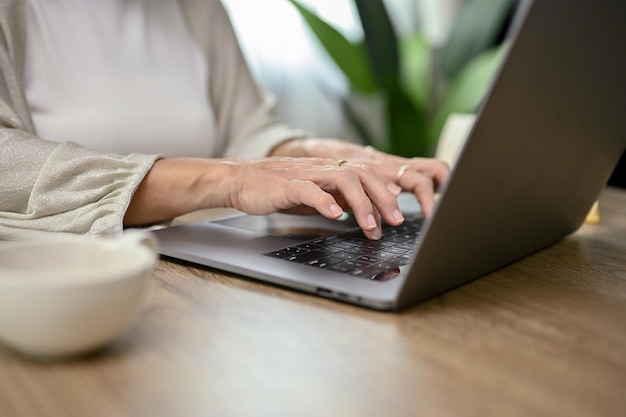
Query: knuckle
(365,170)
(441,164)
(297,187)
(422,183)
(438,165)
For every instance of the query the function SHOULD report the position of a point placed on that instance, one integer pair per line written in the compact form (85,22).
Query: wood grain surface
(545,336)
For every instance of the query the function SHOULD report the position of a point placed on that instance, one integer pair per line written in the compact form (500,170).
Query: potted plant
(416,85)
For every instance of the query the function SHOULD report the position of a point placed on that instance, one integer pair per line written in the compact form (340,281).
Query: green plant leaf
(406,126)
(350,57)
(416,70)
(381,43)
(476,29)
(469,87)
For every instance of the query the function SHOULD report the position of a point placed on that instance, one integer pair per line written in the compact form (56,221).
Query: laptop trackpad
(290,226)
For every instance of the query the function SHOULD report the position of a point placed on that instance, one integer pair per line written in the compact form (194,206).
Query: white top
(117,75)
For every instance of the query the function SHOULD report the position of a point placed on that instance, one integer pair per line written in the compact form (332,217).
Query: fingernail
(377,233)
(336,210)
(397,214)
(371,222)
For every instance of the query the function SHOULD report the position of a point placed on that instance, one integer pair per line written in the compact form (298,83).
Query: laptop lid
(542,148)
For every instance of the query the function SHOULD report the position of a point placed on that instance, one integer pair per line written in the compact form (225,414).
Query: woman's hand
(296,185)
(420,176)
(305,185)
(366,182)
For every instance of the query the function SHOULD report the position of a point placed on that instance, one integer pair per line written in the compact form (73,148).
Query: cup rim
(15,277)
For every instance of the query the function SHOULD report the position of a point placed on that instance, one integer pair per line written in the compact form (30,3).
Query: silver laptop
(544,144)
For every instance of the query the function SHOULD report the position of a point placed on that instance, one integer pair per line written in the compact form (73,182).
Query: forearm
(180,185)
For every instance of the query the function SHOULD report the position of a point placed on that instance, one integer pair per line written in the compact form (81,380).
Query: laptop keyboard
(354,254)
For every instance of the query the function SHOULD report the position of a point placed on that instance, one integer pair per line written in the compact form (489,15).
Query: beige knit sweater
(51,188)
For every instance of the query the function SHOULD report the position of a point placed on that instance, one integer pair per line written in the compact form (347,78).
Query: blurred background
(296,55)
(289,61)
(382,72)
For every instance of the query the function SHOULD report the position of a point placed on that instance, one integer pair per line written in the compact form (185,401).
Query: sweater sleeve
(46,187)
(49,188)
(246,122)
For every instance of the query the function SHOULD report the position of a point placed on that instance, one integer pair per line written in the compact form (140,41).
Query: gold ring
(340,162)
(401,171)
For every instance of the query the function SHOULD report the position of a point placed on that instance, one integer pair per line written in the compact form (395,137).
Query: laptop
(545,141)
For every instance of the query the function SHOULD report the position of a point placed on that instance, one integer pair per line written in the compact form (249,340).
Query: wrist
(177,186)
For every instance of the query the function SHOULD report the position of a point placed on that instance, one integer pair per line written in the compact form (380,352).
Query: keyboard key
(324,262)
(345,255)
(342,267)
(283,253)
(305,257)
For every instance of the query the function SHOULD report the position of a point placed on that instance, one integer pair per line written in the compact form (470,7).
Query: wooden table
(545,336)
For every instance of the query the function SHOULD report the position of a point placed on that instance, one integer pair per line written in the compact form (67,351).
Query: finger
(342,202)
(368,196)
(309,194)
(394,188)
(436,169)
(348,183)
(344,181)
(440,172)
(422,187)
(384,199)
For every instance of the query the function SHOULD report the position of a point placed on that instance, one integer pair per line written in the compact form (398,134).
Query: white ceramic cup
(70,296)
